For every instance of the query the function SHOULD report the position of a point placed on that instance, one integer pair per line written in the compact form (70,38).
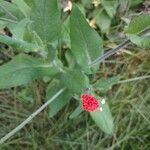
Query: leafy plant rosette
(39,31)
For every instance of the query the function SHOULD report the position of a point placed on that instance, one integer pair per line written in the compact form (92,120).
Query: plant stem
(18,44)
(133,79)
(114,50)
(25,122)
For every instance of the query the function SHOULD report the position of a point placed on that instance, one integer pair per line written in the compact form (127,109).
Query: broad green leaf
(32,37)
(74,80)
(37,40)
(105,84)
(143,42)
(133,3)
(52,53)
(103,21)
(23,69)
(86,44)
(110,6)
(70,59)
(2,25)
(76,112)
(7,22)
(19,44)
(138,24)
(87,3)
(103,119)
(19,29)
(65,33)
(46,19)
(10,11)
(81,8)
(60,101)
(29,2)
(24,8)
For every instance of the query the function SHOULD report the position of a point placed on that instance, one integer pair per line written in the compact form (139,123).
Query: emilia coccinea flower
(89,102)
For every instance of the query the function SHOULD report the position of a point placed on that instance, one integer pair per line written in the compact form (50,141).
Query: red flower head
(89,102)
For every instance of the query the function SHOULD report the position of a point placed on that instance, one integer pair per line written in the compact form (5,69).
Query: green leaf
(87,3)
(133,3)
(103,21)
(103,119)
(24,8)
(10,11)
(65,33)
(60,101)
(19,29)
(86,44)
(138,24)
(46,19)
(22,69)
(143,42)
(76,112)
(70,59)
(110,6)
(19,44)
(52,53)
(32,37)
(29,2)
(74,80)
(2,24)
(16,28)
(105,84)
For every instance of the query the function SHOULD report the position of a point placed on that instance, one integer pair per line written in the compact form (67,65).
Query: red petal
(89,102)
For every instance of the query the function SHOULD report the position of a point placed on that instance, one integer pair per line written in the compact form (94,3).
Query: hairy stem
(114,50)
(25,122)
(133,79)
